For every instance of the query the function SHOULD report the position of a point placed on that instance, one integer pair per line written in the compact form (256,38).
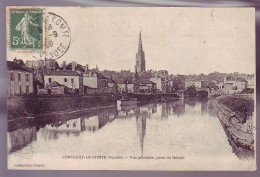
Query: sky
(180,40)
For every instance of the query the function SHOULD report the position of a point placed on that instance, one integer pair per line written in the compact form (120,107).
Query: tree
(19,62)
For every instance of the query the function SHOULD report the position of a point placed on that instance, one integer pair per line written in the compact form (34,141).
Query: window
(11,76)
(20,90)
(27,77)
(27,90)
(72,80)
(65,79)
(19,76)
(49,80)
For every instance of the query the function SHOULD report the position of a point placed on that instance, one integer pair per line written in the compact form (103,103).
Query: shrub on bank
(241,105)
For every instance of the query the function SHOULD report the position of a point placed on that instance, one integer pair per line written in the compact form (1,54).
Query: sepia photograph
(131,88)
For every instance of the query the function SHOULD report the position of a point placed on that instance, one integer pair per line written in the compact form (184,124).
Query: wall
(158,82)
(110,84)
(100,90)
(90,82)
(228,86)
(102,83)
(251,83)
(57,90)
(144,88)
(42,91)
(121,88)
(130,88)
(197,84)
(60,80)
(239,135)
(241,85)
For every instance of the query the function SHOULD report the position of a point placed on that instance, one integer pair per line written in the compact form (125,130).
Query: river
(188,131)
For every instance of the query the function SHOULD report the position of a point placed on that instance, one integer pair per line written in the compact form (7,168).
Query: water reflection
(141,115)
(96,120)
(21,138)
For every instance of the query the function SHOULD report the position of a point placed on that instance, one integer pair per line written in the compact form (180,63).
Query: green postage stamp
(26,28)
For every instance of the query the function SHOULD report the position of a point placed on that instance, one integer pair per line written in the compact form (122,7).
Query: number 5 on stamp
(26,28)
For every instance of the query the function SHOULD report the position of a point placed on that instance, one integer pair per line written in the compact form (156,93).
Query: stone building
(48,64)
(124,86)
(56,88)
(94,79)
(251,82)
(91,77)
(233,86)
(189,83)
(144,86)
(70,79)
(160,84)
(20,79)
(111,82)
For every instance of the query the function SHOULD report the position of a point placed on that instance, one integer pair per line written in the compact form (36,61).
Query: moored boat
(128,101)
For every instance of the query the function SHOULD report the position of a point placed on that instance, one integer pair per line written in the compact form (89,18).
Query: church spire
(140,56)
(140,46)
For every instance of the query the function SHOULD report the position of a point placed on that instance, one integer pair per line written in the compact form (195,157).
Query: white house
(124,86)
(160,83)
(94,79)
(70,79)
(20,80)
(189,83)
(251,82)
(232,86)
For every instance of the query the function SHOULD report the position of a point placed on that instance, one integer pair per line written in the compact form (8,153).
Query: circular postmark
(57,37)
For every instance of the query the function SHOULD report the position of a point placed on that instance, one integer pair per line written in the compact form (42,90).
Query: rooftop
(99,74)
(120,81)
(144,81)
(62,73)
(55,84)
(78,67)
(14,66)
(110,80)
(123,81)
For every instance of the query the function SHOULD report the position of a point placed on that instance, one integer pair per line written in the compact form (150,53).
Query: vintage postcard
(92,88)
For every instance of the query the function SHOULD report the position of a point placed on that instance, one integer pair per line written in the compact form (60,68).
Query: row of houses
(224,87)
(73,78)
(82,80)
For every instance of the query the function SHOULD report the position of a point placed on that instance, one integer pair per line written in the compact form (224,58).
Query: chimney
(97,67)
(74,65)
(64,65)
(86,68)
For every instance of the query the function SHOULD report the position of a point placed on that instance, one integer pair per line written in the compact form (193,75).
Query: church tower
(140,57)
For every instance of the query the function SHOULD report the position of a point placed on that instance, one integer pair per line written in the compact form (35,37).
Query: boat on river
(126,101)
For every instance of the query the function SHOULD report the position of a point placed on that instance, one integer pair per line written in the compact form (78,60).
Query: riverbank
(31,106)
(236,116)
